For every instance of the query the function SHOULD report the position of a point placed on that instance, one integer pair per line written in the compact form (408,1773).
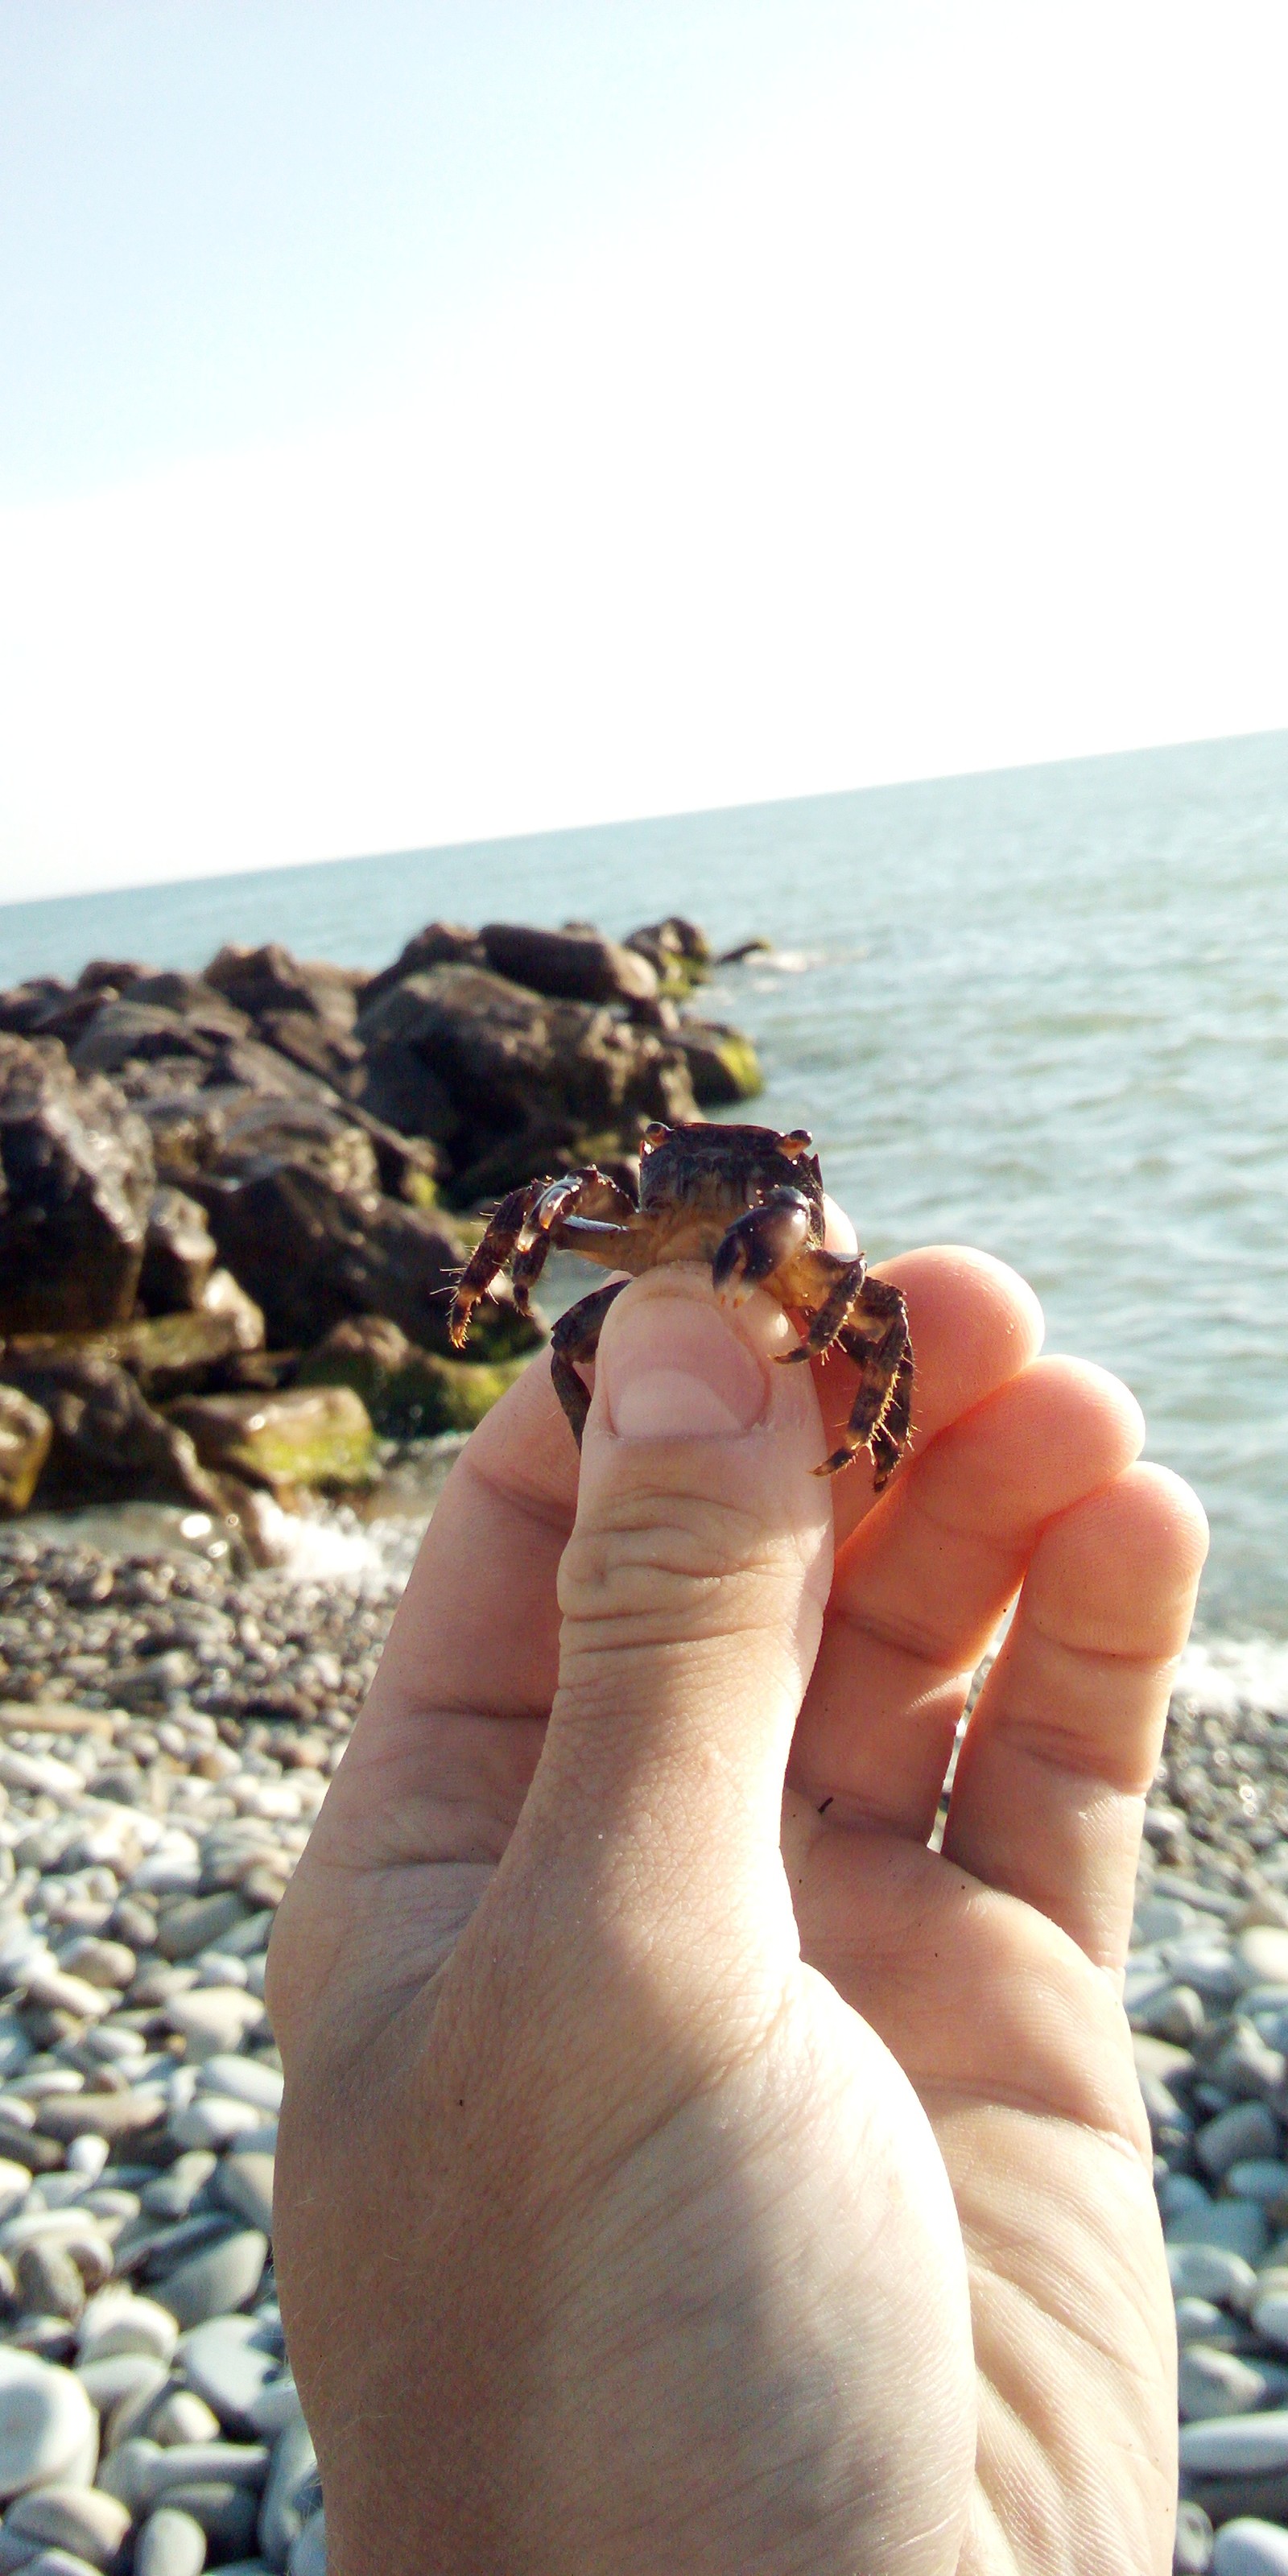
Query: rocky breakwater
(233,1205)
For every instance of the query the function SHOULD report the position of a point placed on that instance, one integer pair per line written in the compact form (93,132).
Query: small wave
(1226,1674)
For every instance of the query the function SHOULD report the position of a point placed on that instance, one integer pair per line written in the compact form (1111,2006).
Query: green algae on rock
(407,1391)
(317,1436)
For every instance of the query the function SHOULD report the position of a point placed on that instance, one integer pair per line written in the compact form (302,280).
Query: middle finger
(922,1584)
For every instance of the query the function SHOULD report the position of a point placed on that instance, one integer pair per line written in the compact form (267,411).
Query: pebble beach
(168,1725)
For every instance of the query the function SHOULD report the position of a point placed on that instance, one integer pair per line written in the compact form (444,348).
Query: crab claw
(755,1246)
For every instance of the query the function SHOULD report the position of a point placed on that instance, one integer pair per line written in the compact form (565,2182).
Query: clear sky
(432,418)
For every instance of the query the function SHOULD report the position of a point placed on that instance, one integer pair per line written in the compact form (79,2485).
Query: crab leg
(879,1415)
(491,1255)
(576,1337)
(827,1323)
(559,1210)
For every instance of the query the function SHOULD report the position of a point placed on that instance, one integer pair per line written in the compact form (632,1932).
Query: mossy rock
(723,1064)
(316,1436)
(166,1355)
(408,1392)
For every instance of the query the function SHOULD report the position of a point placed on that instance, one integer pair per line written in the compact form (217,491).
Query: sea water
(1042,1010)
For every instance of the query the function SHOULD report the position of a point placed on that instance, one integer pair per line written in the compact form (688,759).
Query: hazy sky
(422,420)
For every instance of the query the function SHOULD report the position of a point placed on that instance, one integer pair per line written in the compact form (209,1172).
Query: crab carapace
(750,1203)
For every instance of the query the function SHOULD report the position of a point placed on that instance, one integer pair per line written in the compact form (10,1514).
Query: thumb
(692,1591)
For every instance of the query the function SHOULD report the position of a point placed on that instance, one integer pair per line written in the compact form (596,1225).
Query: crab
(748,1201)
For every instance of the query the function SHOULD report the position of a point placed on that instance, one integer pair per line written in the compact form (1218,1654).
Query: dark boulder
(119,972)
(440,943)
(676,949)
(261,980)
(311,1436)
(314,1044)
(723,1064)
(568,965)
(119,1032)
(258,1129)
(178,1254)
(524,1078)
(166,1355)
(76,1180)
(409,1393)
(310,1253)
(24,1006)
(108,1445)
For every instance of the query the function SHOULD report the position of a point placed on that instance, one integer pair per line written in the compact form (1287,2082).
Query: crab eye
(797,1142)
(653,1136)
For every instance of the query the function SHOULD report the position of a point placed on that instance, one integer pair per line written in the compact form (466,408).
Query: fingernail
(673,1369)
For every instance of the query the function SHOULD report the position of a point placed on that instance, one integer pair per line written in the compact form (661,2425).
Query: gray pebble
(59,2562)
(1198,2321)
(170,2544)
(229,2362)
(225,2277)
(213,2120)
(92,2525)
(1193,2551)
(1214,2383)
(286,2508)
(1249,2547)
(1236,2226)
(245,2078)
(308,2550)
(245,2185)
(182,2417)
(1236,2446)
(173,2193)
(1251,2129)
(226,2513)
(1260,2178)
(47,2424)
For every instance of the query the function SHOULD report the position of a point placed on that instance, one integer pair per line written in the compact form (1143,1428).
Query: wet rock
(76,1178)
(166,1355)
(510,1081)
(570,966)
(26,1433)
(260,981)
(723,1064)
(178,1256)
(316,1436)
(121,1033)
(308,1132)
(310,1254)
(407,1392)
(677,951)
(108,1444)
(440,943)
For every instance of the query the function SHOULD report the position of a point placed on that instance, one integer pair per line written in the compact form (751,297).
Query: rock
(198,1923)
(49,2284)
(173,2193)
(512,1083)
(101,1963)
(154,2472)
(58,2562)
(1236,2446)
(26,1433)
(1250,2129)
(223,2277)
(1213,2382)
(408,1392)
(122,1033)
(270,979)
(723,1064)
(245,2185)
(47,2424)
(108,1445)
(1249,2547)
(101,2115)
(1247,2066)
(307,2555)
(329,1053)
(213,2122)
(1262,1950)
(1192,2554)
(1270,2315)
(570,966)
(124,2385)
(276,2407)
(1238,2225)
(315,1133)
(76,1177)
(311,1254)
(247,2079)
(440,943)
(1212,2272)
(310,1436)
(182,2417)
(225,2511)
(167,1355)
(1261,2178)
(82,2519)
(230,2362)
(289,2497)
(170,2544)
(676,950)
(116,2324)
(178,1253)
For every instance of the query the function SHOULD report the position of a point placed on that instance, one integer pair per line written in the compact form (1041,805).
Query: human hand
(649,2202)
